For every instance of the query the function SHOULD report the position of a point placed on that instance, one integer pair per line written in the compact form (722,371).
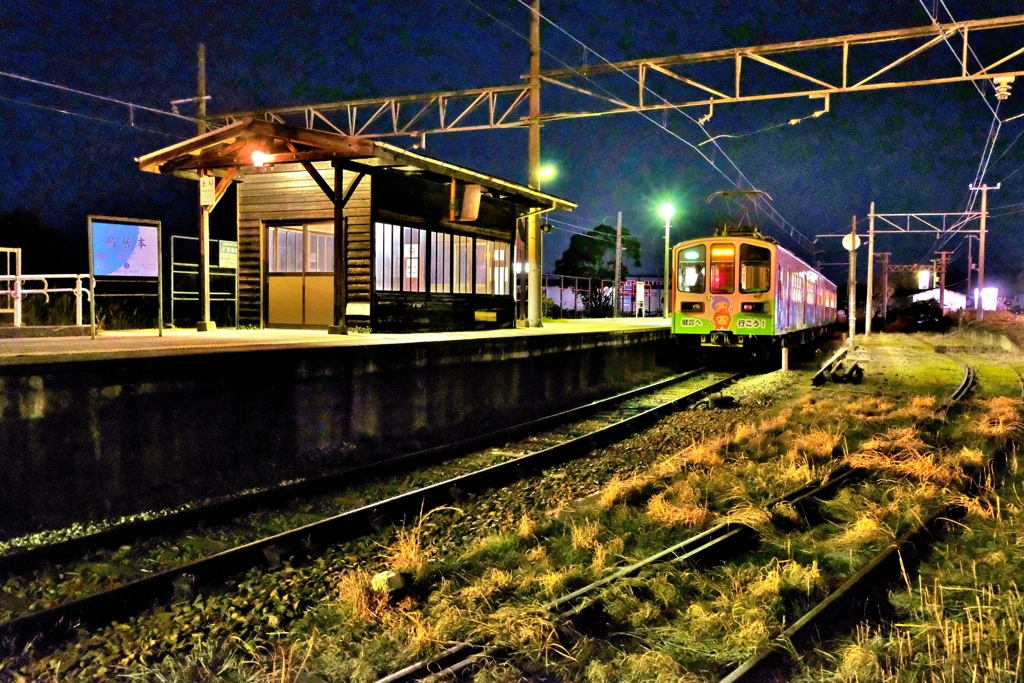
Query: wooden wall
(286,193)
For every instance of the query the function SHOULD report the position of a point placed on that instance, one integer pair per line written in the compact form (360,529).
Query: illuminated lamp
(924,278)
(723,251)
(691,255)
(667,211)
(989,298)
(259,158)
(546,172)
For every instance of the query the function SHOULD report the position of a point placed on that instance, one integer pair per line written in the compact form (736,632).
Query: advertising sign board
(228,256)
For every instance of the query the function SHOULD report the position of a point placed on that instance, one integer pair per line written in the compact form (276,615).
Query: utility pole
(871,271)
(943,256)
(618,265)
(204,322)
(885,284)
(535,246)
(852,284)
(201,90)
(970,266)
(981,243)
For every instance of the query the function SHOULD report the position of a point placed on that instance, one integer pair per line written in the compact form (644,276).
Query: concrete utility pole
(618,266)
(981,243)
(943,256)
(852,284)
(970,265)
(535,246)
(885,284)
(871,271)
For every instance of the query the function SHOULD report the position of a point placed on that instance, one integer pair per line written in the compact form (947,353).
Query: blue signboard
(125,250)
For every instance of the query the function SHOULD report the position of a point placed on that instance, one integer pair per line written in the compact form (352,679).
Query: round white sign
(847,241)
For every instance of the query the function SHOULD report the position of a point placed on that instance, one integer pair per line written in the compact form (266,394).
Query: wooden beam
(350,190)
(314,174)
(152,162)
(222,186)
(282,158)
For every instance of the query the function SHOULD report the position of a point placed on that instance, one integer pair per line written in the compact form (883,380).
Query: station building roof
(231,147)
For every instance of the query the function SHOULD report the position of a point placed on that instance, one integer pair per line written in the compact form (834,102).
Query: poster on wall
(125,250)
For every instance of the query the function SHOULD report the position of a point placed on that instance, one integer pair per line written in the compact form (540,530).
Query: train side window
(691,267)
(755,269)
(723,268)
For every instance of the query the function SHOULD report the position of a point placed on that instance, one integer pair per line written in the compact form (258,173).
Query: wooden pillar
(340,255)
(868,313)
(204,323)
(535,239)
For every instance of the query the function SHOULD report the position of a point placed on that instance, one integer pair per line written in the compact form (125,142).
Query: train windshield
(755,269)
(723,268)
(691,269)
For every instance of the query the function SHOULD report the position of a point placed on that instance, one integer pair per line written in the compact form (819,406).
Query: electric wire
(791,229)
(64,88)
(805,242)
(90,118)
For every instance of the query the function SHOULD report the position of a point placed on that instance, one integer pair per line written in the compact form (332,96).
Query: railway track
(857,598)
(48,628)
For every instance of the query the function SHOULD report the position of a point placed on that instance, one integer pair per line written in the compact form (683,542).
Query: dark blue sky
(908,150)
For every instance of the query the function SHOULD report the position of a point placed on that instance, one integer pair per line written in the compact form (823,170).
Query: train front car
(745,294)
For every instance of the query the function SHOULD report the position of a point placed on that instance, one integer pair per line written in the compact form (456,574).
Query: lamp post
(666,211)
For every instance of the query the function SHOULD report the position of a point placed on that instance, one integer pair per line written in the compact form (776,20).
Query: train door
(782,301)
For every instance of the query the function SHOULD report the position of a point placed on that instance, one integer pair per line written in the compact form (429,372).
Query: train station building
(424,245)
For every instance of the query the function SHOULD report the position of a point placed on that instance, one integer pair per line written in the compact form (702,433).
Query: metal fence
(13,290)
(569,296)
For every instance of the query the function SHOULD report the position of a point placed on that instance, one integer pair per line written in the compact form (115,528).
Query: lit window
(755,269)
(723,268)
(690,269)
(321,249)
(462,264)
(285,250)
(440,262)
(401,257)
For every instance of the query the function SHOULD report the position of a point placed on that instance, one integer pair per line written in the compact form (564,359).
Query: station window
(691,268)
(321,249)
(755,269)
(462,264)
(723,268)
(440,262)
(285,250)
(491,267)
(401,259)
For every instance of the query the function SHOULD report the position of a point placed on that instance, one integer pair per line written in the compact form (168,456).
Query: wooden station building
(424,245)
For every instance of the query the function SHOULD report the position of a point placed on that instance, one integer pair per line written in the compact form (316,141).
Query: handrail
(18,291)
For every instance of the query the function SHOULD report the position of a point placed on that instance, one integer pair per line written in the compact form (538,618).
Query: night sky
(908,150)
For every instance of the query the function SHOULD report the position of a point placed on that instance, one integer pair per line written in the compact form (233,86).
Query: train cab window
(755,269)
(691,268)
(723,268)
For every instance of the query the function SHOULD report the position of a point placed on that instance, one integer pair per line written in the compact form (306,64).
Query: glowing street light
(547,172)
(666,211)
(259,158)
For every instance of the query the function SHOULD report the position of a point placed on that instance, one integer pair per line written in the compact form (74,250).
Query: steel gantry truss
(815,68)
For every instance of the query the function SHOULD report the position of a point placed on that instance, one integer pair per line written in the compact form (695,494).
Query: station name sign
(125,250)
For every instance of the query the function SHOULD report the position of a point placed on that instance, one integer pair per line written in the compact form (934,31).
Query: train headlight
(691,307)
(752,307)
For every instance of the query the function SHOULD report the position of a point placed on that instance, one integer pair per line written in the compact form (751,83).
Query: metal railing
(13,291)
(581,297)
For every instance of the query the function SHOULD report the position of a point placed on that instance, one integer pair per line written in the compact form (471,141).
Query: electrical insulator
(1003,87)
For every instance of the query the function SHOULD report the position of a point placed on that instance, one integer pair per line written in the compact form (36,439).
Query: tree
(591,255)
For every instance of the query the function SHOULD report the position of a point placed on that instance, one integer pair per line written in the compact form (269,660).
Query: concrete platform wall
(86,440)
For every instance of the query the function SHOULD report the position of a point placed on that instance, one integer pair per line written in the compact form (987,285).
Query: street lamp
(666,211)
(547,172)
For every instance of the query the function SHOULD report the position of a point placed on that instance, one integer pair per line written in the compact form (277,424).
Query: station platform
(178,342)
(97,428)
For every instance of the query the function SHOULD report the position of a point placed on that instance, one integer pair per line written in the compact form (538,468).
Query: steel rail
(51,627)
(221,511)
(864,596)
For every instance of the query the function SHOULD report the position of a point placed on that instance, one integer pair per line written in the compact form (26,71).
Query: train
(739,291)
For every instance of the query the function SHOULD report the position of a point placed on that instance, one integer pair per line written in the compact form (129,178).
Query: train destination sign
(125,250)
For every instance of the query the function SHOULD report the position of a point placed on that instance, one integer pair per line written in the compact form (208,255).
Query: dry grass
(364,604)
(626,491)
(818,444)
(1000,417)
(678,506)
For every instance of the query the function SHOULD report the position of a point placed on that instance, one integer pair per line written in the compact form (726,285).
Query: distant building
(954,301)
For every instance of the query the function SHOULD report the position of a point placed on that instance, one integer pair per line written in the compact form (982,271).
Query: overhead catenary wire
(794,233)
